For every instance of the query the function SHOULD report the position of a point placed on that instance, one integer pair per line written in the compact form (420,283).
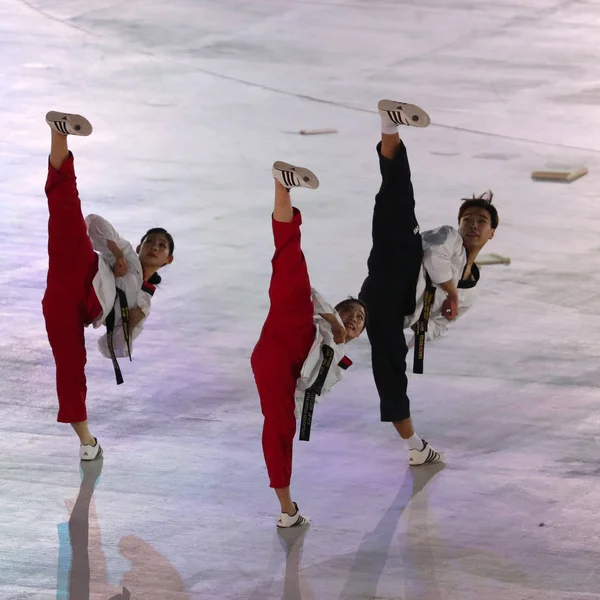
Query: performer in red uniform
(287,357)
(85,258)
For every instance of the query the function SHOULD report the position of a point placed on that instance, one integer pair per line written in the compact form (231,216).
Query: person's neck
(472,256)
(148,272)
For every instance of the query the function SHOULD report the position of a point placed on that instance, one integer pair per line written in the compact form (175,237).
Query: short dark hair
(351,300)
(484,201)
(155,279)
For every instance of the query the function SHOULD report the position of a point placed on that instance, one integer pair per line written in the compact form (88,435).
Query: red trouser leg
(70,302)
(284,344)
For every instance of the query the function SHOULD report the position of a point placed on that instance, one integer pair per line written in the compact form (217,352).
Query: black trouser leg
(389,289)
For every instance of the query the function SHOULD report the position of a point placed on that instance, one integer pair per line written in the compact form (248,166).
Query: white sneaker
(291,176)
(400,113)
(67,124)
(425,456)
(90,452)
(284,520)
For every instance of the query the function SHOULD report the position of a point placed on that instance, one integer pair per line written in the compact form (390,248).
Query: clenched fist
(120,267)
(339,333)
(450,307)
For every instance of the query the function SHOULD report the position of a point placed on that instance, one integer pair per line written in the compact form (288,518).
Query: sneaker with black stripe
(89,452)
(290,176)
(425,456)
(67,124)
(400,113)
(296,520)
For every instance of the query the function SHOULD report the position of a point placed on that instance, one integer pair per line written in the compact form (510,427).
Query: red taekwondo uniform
(295,361)
(82,290)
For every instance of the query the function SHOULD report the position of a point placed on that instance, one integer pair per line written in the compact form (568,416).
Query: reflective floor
(191,102)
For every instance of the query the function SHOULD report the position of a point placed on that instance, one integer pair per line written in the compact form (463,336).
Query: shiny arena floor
(192,101)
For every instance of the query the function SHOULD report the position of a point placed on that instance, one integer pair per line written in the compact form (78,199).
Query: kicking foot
(67,124)
(425,456)
(400,113)
(296,520)
(89,452)
(290,176)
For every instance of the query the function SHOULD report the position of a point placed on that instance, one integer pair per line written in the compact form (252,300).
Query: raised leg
(389,290)
(395,228)
(289,291)
(70,251)
(285,341)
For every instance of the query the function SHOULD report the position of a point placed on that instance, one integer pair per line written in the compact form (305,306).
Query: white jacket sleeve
(439,246)
(101,231)
(321,306)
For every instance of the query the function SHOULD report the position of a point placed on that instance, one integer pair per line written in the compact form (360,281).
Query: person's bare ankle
(290,510)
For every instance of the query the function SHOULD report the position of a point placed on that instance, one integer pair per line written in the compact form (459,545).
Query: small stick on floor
(492,259)
(316,131)
(564,175)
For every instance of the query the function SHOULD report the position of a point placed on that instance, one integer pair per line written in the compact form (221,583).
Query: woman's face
(353,317)
(154,251)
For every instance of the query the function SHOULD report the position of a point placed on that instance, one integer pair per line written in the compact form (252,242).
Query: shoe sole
(414,116)
(306,177)
(68,124)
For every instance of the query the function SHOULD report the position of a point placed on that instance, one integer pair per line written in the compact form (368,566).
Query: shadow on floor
(82,570)
(295,587)
(372,554)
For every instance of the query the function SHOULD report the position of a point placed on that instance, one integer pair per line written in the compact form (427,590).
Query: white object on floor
(565,175)
(492,259)
(316,131)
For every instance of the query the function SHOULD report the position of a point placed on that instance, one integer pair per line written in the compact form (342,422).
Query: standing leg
(286,339)
(394,266)
(69,302)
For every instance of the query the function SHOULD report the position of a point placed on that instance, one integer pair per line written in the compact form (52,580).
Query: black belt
(110,328)
(310,395)
(421,325)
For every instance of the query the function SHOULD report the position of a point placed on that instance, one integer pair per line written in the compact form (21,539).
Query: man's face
(353,317)
(475,227)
